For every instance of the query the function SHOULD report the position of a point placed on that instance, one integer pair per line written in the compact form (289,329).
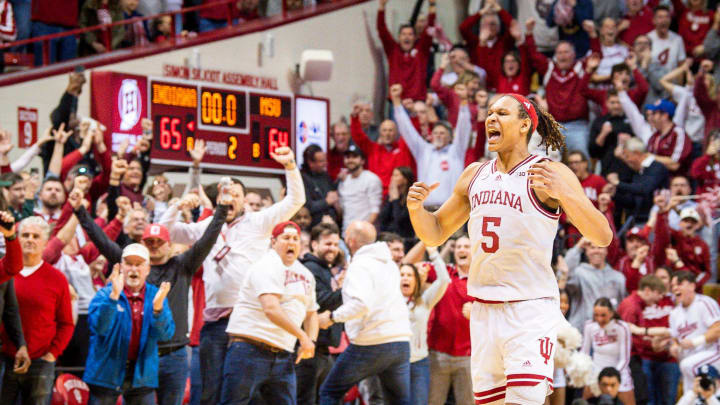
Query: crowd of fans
(24,19)
(139,292)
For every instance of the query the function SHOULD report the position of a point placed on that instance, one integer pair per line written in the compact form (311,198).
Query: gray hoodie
(586,284)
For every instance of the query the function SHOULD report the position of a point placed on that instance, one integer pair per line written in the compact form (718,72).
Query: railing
(45,39)
(110,55)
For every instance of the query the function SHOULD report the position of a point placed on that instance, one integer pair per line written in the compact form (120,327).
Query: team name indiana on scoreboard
(496,197)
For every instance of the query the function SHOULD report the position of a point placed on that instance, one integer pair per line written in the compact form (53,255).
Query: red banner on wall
(27,126)
(119,101)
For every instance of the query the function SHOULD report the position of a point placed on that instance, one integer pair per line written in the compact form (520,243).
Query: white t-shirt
(694,320)
(360,196)
(668,52)
(296,287)
(611,56)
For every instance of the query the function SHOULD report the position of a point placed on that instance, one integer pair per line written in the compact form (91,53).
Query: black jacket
(606,153)
(394,217)
(317,186)
(636,197)
(327,299)
(11,313)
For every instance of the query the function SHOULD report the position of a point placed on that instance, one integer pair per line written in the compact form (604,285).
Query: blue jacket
(110,329)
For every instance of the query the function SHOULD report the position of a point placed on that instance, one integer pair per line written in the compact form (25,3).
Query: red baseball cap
(156,231)
(637,232)
(282,227)
(70,390)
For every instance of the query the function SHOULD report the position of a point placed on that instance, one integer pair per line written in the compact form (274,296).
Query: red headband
(528,107)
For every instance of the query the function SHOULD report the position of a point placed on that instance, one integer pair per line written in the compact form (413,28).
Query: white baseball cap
(138,250)
(689,213)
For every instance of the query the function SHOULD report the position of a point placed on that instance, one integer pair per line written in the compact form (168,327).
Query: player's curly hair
(547,127)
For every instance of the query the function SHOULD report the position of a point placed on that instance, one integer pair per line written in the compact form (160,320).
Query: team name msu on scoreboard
(241,126)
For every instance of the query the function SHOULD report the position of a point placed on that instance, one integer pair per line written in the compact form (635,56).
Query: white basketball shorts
(513,349)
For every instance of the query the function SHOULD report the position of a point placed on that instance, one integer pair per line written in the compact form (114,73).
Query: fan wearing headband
(512,204)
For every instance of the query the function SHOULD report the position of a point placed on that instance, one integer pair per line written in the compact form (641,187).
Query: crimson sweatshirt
(12,263)
(488,57)
(693,26)
(562,87)
(49,12)
(692,251)
(640,24)
(706,170)
(407,68)
(44,301)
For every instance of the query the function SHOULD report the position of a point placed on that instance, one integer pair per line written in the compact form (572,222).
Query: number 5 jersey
(512,236)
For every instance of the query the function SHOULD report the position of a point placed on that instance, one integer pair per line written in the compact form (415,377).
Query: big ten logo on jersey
(291,278)
(546,348)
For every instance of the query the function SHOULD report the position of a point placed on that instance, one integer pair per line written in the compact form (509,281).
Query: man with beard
(325,247)
(178,271)
(449,333)
(588,281)
(52,197)
(244,239)
(360,190)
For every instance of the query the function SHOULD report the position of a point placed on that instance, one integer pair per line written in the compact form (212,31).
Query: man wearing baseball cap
(360,190)
(636,262)
(668,142)
(178,271)
(278,297)
(127,319)
(244,240)
(683,249)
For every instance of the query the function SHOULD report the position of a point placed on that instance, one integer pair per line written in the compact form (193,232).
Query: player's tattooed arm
(555,184)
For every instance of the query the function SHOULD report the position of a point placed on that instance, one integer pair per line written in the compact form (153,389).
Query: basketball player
(513,203)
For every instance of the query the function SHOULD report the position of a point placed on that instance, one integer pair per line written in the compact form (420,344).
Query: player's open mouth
(405,285)
(462,256)
(492,134)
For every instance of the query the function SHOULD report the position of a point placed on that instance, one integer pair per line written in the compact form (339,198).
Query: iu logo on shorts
(546,347)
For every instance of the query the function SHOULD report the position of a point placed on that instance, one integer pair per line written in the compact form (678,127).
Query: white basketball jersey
(512,236)
(694,320)
(610,345)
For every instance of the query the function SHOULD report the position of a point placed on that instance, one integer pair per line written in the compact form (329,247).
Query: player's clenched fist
(418,193)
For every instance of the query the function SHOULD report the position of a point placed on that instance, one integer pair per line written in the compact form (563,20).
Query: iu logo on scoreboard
(546,347)
(129,104)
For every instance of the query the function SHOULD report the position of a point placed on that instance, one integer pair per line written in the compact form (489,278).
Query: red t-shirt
(706,170)
(137,301)
(693,26)
(633,275)
(448,329)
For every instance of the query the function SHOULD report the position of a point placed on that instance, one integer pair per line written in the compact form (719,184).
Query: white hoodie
(374,310)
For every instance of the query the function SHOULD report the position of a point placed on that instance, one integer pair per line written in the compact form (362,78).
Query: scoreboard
(241,126)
